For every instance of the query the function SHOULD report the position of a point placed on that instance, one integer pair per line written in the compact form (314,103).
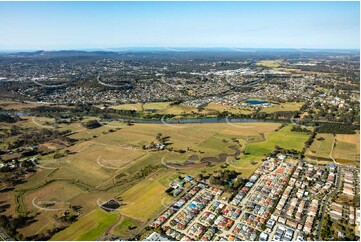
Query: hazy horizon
(244,25)
(181,49)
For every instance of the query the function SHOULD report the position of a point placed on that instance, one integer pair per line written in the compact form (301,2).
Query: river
(184,120)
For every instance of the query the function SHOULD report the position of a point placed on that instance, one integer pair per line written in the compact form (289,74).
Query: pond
(256,102)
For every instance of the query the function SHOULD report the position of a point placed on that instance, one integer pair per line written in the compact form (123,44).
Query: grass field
(140,106)
(270,63)
(128,106)
(145,199)
(94,223)
(321,146)
(178,109)
(347,148)
(283,138)
(164,108)
(58,192)
(290,106)
(156,105)
(122,229)
(92,168)
(7,105)
(214,107)
(350,138)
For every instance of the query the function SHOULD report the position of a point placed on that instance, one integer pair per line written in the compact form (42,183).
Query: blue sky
(81,25)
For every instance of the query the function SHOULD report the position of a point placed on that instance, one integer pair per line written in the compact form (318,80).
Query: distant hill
(60,53)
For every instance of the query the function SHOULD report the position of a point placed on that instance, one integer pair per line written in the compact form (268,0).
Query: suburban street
(325,201)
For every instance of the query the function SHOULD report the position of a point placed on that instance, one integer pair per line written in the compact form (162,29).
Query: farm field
(347,148)
(89,227)
(321,147)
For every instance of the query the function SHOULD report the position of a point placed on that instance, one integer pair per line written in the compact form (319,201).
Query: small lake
(256,102)
(15,113)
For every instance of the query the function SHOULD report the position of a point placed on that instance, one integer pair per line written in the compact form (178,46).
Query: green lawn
(283,138)
(122,228)
(89,227)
